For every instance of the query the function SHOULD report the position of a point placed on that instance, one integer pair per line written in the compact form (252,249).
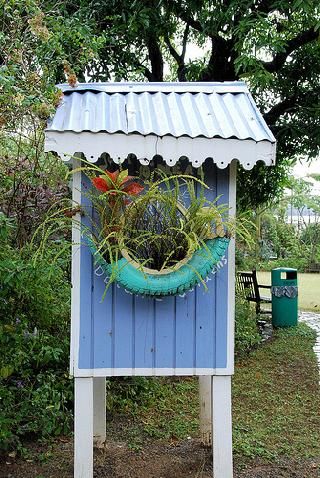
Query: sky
(304,168)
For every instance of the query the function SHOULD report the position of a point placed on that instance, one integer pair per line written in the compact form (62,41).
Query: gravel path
(313,320)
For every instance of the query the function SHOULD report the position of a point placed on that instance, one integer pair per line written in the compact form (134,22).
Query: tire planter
(178,281)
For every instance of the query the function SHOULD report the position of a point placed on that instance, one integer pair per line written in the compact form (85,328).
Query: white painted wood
(154,372)
(83,428)
(231,271)
(205,388)
(75,271)
(99,411)
(222,151)
(222,427)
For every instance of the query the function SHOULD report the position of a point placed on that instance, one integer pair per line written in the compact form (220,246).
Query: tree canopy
(271,44)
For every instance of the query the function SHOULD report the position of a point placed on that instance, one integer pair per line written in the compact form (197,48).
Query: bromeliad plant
(115,190)
(157,227)
(117,182)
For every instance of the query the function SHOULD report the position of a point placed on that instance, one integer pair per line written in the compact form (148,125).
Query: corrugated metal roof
(210,110)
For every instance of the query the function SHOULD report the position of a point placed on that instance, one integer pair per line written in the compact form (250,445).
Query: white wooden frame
(215,388)
(221,427)
(147,372)
(205,382)
(83,427)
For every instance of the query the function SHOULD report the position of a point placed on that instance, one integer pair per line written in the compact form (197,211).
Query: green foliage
(35,392)
(164,229)
(272,45)
(37,291)
(31,184)
(246,331)
(285,235)
(271,181)
(36,47)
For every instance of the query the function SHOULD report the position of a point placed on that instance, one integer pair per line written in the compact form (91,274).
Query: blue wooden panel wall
(131,334)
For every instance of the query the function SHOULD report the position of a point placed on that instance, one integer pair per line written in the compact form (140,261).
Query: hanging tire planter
(181,245)
(182,278)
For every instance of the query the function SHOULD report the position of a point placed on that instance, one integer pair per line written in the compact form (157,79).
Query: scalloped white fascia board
(119,146)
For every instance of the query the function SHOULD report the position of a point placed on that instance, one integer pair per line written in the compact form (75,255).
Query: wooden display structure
(127,335)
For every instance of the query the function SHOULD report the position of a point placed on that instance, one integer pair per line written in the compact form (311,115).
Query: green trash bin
(284,294)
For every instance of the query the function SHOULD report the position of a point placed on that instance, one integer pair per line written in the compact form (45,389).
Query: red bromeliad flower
(100,184)
(117,181)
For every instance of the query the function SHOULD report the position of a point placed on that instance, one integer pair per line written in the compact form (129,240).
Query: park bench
(314,267)
(247,286)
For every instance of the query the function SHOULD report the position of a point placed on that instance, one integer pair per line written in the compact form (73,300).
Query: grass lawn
(309,289)
(276,403)
(276,399)
(153,431)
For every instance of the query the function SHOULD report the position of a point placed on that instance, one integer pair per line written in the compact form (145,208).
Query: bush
(246,332)
(300,263)
(35,391)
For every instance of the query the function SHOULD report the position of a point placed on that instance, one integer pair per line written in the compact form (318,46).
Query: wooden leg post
(83,428)
(205,389)
(99,411)
(222,427)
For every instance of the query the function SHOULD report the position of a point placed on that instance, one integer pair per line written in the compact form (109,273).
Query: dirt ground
(156,460)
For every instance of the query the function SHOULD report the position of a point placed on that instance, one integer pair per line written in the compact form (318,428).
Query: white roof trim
(197,150)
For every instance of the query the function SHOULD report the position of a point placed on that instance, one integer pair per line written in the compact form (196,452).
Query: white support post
(83,428)
(99,411)
(205,409)
(222,427)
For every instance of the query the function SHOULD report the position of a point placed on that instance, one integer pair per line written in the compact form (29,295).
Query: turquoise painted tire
(176,282)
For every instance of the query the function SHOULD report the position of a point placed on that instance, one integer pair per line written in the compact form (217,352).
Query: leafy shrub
(37,291)
(128,393)
(30,185)
(35,391)
(246,331)
(300,263)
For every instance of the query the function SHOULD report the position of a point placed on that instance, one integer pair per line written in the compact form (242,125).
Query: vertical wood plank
(102,310)
(83,428)
(205,326)
(222,427)
(165,333)
(144,332)
(99,411)
(185,325)
(123,330)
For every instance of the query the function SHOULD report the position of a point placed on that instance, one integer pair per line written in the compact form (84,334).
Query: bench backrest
(247,284)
